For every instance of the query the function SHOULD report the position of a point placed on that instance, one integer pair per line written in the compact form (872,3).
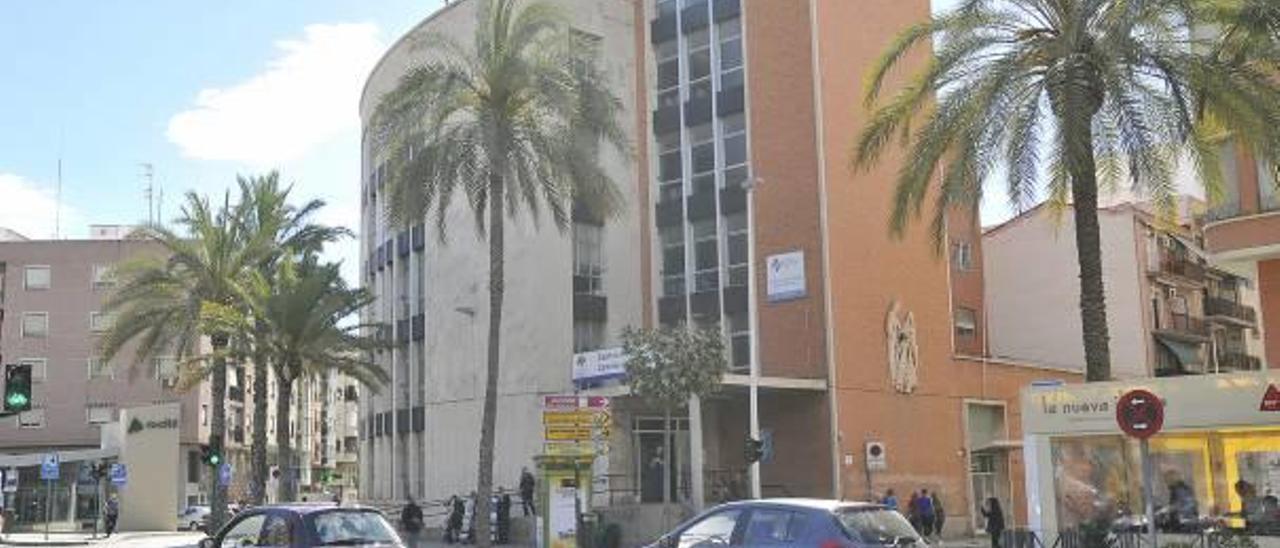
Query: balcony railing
(1179,266)
(1217,307)
(1184,325)
(1238,361)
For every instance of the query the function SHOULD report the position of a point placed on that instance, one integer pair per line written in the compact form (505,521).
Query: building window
(99,368)
(673,281)
(101,276)
(736,249)
(204,414)
(706,275)
(733,131)
(99,322)
(703,152)
(962,255)
(39,368)
(193,467)
(668,58)
(739,341)
(966,322)
(31,419)
(730,38)
(35,325)
(99,413)
(699,65)
(670,169)
(588,269)
(37,277)
(666,7)
(588,336)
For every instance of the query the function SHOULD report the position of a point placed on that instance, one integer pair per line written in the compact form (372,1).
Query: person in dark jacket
(453,529)
(112,515)
(995,520)
(913,511)
(411,519)
(526,493)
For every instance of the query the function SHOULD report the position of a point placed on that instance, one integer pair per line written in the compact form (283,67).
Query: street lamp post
(754,326)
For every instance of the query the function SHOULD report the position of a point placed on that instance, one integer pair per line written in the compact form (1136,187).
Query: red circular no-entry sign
(1140,413)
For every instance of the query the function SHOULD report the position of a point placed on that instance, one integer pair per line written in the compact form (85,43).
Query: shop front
(1215,464)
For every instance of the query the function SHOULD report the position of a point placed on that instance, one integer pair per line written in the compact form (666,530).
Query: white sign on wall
(785,279)
(609,363)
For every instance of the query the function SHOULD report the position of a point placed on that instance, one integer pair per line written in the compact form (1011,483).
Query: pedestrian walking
(890,499)
(526,492)
(113,514)
(453,523)
(995,520)
(926,513)
(411,520)
(939,514)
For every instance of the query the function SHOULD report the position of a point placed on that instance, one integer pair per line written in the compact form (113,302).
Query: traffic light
(17,387)
(753,451)
(211,454)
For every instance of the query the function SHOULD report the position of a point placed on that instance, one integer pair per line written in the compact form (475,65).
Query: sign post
(1140,414)
(49,473)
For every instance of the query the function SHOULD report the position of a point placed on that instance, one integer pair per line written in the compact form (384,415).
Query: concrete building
(1169,310)
(862,338)
(1242,234)
(51,294)
(421,433)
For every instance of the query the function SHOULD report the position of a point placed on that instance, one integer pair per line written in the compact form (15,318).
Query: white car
(192,518)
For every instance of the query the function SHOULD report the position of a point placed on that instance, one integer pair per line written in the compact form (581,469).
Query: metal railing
(1214,306)
(1209,538)
(1177,265)
(1187,325)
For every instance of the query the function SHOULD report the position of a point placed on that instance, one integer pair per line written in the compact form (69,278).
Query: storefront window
(1201,480)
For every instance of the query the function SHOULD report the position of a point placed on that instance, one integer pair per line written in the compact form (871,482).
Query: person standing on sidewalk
(411,521)
(995,520)
(925,507)
(113,514)
(890,500)
(526,492)
(939,514)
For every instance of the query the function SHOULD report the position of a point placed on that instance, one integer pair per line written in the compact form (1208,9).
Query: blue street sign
(766,438)
(49,467)
(224,474)
(119,474)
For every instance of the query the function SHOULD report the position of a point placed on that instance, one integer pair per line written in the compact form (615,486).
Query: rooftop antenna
(148,173)
(57,206)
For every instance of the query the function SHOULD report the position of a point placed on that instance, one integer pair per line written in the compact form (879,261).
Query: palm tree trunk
(258,489)
(1084,193)
(218,430)
(284,452)
(488,423)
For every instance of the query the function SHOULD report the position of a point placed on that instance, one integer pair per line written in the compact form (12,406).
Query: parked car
(794,523)
(232,510)
(305,526)
(192,518)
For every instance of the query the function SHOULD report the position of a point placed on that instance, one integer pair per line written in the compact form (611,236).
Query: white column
(696,456)
(752,293)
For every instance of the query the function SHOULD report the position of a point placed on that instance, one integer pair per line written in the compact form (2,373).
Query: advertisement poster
(564,527)
(785,279)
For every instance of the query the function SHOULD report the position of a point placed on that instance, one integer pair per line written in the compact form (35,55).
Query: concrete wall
(537,325)
(1033,291)
(150,453)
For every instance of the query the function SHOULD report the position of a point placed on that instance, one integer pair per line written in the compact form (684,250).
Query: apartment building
(1171,309)
(51,296)
(1242,234)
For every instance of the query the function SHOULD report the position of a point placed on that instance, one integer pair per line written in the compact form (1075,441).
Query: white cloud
(30,208)
(306,96)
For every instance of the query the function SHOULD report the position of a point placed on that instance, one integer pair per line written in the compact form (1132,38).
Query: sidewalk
(158,539)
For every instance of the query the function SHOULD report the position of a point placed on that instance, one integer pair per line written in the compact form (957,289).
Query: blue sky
(201,90)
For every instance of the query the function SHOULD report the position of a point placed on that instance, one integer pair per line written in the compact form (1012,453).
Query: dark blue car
(794,523)
(305,526)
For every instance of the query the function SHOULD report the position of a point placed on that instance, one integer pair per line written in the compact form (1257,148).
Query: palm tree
(303,306)
(514,123)
(1108,89)
(284,230)
(168,305)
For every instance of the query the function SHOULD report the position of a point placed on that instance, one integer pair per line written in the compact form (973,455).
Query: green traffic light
(17,400)
(215,460)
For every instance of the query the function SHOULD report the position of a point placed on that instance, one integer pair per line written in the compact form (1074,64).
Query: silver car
(794,523)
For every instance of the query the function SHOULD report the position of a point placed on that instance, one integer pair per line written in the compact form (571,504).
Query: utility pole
(148,176)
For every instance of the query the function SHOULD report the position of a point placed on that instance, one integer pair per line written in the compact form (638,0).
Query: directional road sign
(49,468)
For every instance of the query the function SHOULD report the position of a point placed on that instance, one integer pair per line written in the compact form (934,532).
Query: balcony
(1235,360)
(1223,310)
(1243,235)
(1183,327)
(1174,265)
